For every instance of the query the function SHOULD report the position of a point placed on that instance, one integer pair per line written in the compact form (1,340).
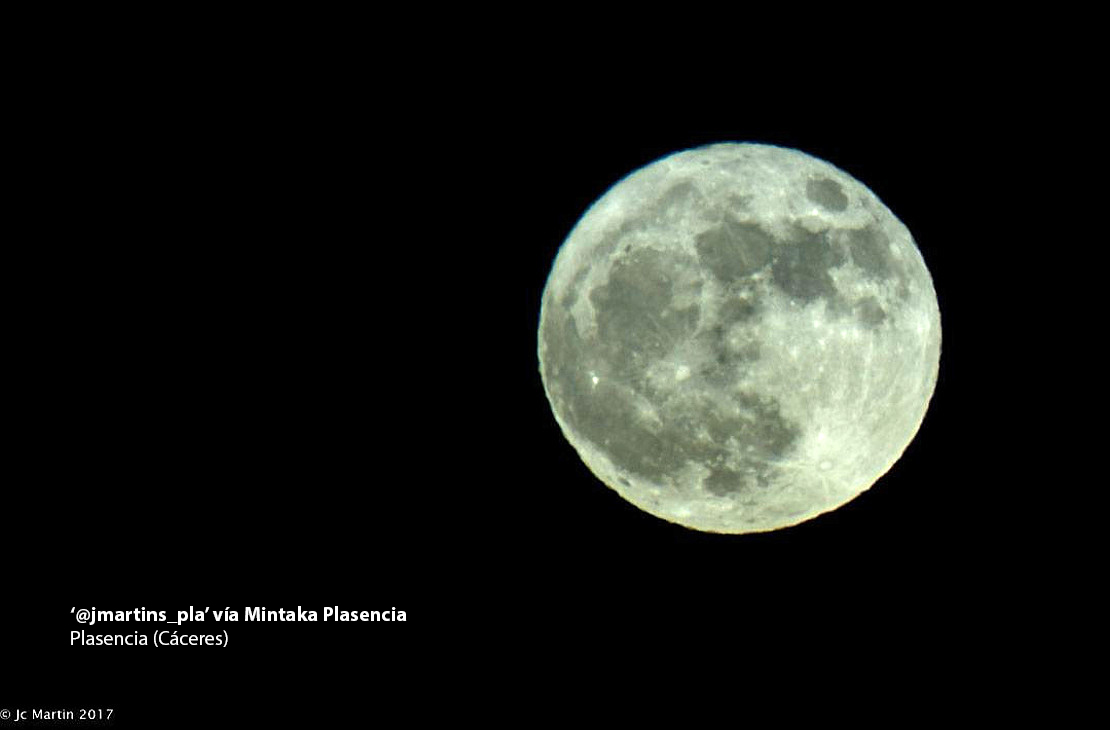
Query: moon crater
(739,337)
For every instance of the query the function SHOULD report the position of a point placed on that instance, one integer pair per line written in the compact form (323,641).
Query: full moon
(739,337)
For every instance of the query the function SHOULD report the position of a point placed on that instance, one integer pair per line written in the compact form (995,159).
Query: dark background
(277,340)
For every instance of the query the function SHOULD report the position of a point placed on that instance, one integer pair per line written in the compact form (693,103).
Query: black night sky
(282,350)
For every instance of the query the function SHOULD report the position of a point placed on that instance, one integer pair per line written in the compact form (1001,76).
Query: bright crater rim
(739,337)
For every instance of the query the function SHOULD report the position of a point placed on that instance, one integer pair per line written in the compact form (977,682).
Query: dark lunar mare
(637,325)
(827,194)
(800,263)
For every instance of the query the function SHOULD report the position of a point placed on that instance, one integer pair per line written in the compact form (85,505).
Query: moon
(739,337)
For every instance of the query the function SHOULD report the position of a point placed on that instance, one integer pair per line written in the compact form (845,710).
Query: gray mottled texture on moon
(739,337)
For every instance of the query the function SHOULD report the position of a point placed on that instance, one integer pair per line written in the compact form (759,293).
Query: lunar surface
(739,337)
